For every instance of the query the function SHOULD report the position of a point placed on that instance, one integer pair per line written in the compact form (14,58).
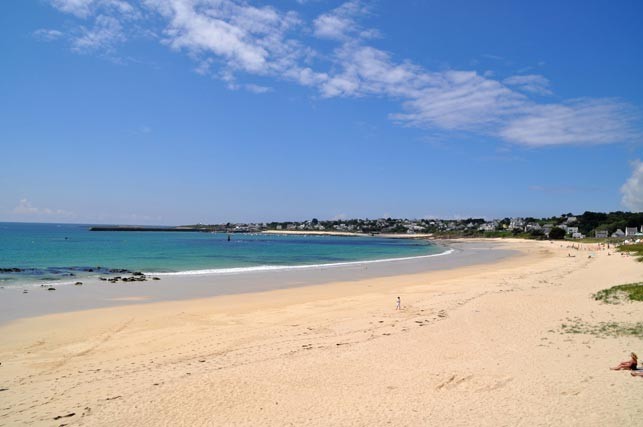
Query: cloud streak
(25,207)
(632,190)
(235,40)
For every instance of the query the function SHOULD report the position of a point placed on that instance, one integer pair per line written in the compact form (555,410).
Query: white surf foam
(259,268)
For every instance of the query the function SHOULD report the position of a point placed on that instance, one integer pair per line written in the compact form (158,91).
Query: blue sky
(183,111)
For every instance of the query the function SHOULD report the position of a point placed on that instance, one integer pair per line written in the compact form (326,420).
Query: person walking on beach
(398,304)
(628,364)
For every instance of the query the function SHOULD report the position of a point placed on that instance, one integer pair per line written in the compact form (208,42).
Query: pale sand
(478,345)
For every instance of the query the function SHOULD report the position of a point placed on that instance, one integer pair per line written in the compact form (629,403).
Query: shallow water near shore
(64,253)
(14,304)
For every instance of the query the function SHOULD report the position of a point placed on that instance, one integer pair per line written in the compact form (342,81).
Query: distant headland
(589,224)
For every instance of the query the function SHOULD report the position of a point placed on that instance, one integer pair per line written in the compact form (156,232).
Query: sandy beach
(479,344)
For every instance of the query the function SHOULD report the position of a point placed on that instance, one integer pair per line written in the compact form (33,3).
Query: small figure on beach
(628,365)
(398,304)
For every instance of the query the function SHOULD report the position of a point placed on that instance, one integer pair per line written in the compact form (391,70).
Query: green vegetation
(555,227)
(637,249)
(557,233)
(603,329)
(621,293)
(612,221)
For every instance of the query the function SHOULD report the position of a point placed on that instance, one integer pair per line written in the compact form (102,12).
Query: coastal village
(588,225)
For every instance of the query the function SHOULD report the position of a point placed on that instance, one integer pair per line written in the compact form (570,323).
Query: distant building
(488,226)
(618,233)
(571,219)
(630,231)
(577,235)
(517,223)
(572,230)
(601,234)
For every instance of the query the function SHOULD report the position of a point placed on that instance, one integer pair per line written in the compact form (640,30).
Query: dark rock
(137,273)
(51,289)
(156,278)
(10,270)
(78,283)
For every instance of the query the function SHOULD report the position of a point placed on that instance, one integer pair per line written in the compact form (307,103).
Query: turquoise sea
(45,253)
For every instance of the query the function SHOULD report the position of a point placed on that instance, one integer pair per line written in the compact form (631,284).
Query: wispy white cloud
(233,39)
(533,83)
(461,100)
(80,8)
(47,35)
(581,121)
(106,32)
(25,207)
(244,36)
(341,22)
(251,87)
(632,190)
(85,8)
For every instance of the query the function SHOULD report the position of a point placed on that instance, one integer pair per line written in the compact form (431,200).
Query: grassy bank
(621,293)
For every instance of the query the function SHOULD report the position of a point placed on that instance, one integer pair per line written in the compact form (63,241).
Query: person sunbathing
(628,364)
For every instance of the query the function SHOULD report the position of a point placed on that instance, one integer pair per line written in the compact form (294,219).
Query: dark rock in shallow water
(51,289)
(10,270)
(78,283)
(156,278)
(138,273)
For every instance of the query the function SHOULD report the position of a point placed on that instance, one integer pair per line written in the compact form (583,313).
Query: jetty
(139,228)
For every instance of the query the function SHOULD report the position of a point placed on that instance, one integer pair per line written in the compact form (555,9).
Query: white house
(630,231)
(572,230)
(577,235)
(601,234)
(618,233)
(517,223)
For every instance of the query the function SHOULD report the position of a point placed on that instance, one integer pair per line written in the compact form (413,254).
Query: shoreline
(62,275)
(348,234)
(204,284)
(490,335)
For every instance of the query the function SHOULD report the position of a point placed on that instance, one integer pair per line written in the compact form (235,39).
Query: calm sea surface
(67,252)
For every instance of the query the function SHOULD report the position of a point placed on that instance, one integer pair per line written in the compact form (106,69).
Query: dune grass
(637,249)
(621,293)
(603,329)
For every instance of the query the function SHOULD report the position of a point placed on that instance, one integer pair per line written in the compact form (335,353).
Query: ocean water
(61,253)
